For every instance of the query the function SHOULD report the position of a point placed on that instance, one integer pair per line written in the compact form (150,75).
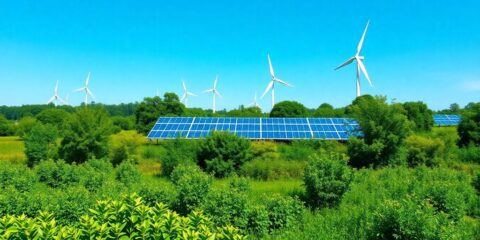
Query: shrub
(223,153)
(57,174)
(192,186)
(283,212)
(420,115)
(424,151)
(469,127)
(124,145)
(86,136)
(25,125)
(264,150)
(476,183)
(20,178)
(469,154)
(40,144)
(53,116)
(127,174)
(289,109)
(226,207)
(326,179)
(153,194)
(6,127)
(179,152)
(129,218)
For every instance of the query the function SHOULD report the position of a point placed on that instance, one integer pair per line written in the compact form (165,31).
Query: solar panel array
(446,120)
(255,128)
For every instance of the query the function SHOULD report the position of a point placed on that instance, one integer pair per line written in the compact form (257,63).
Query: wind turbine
(359,59)
(86,89)
(274,79)
(55,98)
(214,92)
(255,103)
(186,93)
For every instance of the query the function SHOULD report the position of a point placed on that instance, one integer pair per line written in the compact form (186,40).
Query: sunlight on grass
(12,149)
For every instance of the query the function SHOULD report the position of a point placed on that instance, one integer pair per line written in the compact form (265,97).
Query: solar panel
(255,128)
(446,120)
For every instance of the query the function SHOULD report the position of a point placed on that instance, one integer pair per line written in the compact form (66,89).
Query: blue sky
(415,50)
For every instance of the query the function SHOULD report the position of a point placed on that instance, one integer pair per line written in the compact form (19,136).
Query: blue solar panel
(446,120)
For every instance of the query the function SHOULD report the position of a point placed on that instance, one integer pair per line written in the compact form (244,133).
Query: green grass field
(12,149)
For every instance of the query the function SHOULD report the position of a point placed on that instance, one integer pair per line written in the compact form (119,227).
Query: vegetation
(288,109)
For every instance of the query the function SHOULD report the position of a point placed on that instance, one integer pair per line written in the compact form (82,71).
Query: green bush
(424,151)
(129,218)
(283,212)
(326,179)
(264,150)
(154,193)
(25,125)
(289,109)
(226,207)
(192,186)
(57,174)
(20,178)
(40,144)
(223,153)
(179,152)
(6,127)
(469,154)
(420,115)
(273,169)
(127,174)
(469,127)
(476,183)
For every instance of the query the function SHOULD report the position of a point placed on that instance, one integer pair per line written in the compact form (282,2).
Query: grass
(12,149)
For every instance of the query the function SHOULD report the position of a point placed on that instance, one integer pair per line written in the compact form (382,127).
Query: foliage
(283,212)
(327,110)
(384,129)
(420,115)
(476,183)
(53,116)
(127,174)
(288,109)
(40,144)
(6,127)
(273,169)
(25,125)
(86,136)
(128,218)
(424,151)
(327,177)
(469,127)
(19,178)
(245,112)
(223,153)
(180,152)
(57,174)
(264,150)
(148,111)
(469,154)
(124,145)
(123,123)
(192,186)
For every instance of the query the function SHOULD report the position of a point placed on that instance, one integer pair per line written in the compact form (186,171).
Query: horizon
(413,51)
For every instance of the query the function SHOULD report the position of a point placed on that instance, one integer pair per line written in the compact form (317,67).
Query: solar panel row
(446,120)
(255,128)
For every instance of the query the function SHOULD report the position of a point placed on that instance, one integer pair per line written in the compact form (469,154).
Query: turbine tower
(255,103)
(186,93)
(214,92)
(274,79)
(360,66)
(86,89)
(55,98)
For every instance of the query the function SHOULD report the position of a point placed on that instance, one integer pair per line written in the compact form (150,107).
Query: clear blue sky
(415,50)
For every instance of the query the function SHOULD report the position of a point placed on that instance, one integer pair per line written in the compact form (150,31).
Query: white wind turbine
(86,89)
(255,103)
(274,79)
(55,98)
(359,59)
(214,92)
(186,93)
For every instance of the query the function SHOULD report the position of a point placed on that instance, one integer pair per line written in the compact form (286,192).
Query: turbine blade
(192,94)
(90,93)
(56,87)
(79,90)
(283,82)
(51,100)
(269,86)
(272,73)
(208,90)
(184,86)
(359,47)
(184,96)
(215,83)
(63,101)
(218,93)
(350,60)
(88,79)
(364,70)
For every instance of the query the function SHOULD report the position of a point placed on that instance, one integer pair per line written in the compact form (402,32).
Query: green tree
(469,127)
(325,110)
(6,128)
(86,135)
(148,111)
(245,112)
(420,115)
(25,125)
(40,143)
(124,123)
(289,109)
(384,129)
(326,179)
(53,116)
(223,153)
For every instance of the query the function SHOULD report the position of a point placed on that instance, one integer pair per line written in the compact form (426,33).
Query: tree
(469,127)
(326,110)
(289,109)
(6,128)
(245,112)
(455,108)
(223,153)
(384,128)
(54,116)
(420,115)
(86,135)
(40,143)
(150,109)
(326,179)
(25,125)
